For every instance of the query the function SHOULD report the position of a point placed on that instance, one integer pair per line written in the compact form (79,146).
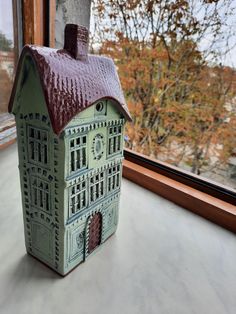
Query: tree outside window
(176,62)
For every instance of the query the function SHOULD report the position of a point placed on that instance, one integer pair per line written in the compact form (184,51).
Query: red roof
(70,86)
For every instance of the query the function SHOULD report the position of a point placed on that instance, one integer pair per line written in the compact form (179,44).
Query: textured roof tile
(70,86)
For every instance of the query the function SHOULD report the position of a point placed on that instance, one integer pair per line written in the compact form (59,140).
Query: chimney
(76,41)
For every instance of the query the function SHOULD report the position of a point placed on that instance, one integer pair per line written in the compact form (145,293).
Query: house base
(57,271)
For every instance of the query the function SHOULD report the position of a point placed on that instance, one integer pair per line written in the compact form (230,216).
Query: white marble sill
(163,259)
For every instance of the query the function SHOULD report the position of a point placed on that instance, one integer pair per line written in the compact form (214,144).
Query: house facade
(70,129)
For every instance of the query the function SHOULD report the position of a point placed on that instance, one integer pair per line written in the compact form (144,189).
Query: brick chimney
(76,41)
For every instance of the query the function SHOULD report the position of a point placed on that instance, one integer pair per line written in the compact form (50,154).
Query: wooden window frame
(195,181)
(199,195)
(38,22)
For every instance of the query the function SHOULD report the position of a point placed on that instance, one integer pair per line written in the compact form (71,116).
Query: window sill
(200,203)
(162,257)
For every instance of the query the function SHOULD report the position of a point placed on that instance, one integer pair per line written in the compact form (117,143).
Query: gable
(29,95)
(109,112)
(70,86)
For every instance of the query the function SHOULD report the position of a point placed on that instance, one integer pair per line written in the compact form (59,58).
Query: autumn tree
(5,43)
(174,84)
(5,79)
(6,86)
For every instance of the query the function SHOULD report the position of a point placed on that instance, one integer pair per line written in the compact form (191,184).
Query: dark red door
(95,231)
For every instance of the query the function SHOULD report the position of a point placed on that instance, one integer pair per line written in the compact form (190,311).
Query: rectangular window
(113,178)
(78,153)
(97,187)
(40,194)
(114,139)
(38,145)
(78,199)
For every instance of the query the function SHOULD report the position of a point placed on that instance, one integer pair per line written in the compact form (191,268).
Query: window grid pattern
(40,194)
(114,139)
(100,185)
(113,178)
(38,145)
(97,187)
(78,153)
(78,199)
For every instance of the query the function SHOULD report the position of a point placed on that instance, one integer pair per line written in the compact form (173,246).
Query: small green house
(70,114)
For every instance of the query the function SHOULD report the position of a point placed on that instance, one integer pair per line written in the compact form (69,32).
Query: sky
(229,58)
(6,19)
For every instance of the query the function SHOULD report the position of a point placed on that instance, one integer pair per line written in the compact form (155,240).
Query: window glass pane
(7,65)
(176,62)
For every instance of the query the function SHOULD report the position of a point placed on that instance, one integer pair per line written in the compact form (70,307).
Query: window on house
(97,186)
(78,153)
(78,199)
(40,194)
(100,108)
(38,145)
(113,178)
(114,139)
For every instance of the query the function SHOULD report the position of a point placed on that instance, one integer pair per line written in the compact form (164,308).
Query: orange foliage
(183,109)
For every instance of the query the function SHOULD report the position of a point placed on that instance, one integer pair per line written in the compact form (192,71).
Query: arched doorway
(95,232)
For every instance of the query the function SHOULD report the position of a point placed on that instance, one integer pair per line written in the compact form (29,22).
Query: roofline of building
(27,50)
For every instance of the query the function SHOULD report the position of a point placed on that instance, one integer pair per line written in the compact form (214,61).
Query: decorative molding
(84,128)
(89,173)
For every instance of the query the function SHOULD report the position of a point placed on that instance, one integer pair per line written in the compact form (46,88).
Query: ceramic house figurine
(70,114)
